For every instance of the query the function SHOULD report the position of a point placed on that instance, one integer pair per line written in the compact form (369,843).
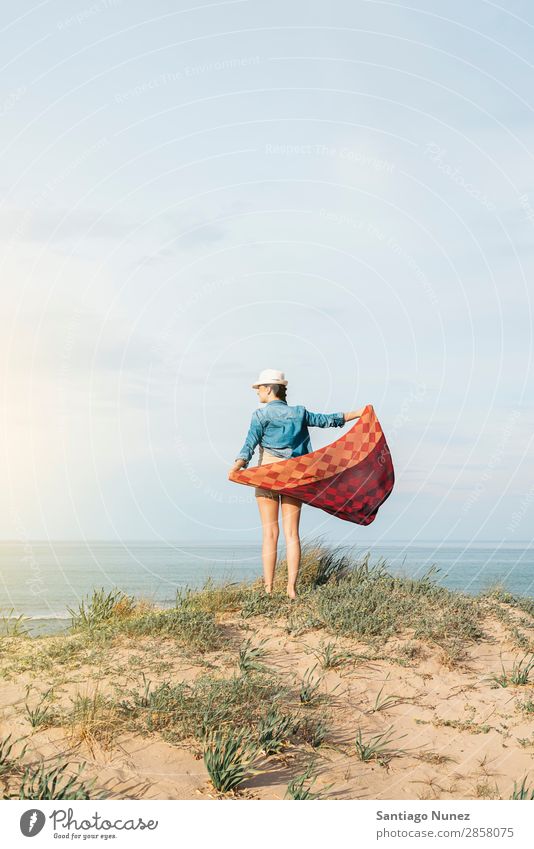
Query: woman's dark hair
(279,390)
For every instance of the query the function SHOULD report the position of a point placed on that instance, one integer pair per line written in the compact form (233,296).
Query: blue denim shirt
(283,429)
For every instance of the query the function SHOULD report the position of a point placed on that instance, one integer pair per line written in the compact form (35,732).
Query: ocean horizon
(41,579)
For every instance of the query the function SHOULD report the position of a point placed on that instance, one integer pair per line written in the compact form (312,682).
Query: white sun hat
(270,375)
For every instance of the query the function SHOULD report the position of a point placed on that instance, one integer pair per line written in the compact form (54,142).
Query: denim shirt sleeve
(325,419)
(252,438)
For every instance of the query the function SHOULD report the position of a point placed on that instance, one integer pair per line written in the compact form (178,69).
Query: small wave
(41,617)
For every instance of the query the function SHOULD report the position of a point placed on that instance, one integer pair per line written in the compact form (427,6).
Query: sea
(41,580)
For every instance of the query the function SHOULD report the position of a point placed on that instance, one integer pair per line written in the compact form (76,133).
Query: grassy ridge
(239,713)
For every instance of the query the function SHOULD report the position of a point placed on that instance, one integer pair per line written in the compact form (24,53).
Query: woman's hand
(354,414)
(239,464)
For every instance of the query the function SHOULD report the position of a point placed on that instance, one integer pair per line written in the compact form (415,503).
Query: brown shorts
(266,457)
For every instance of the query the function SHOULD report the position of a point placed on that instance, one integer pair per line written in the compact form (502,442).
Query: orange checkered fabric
(350,478)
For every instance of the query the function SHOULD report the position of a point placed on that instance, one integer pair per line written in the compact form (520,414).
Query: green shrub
(45,782)
(228,758)
(101,608)
(274,730)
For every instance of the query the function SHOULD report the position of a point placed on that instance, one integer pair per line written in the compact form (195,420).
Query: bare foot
(292,594)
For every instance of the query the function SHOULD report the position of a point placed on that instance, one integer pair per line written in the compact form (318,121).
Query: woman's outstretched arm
(324,419)
(331,419)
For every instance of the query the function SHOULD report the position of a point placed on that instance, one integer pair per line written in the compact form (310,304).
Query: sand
(461,736)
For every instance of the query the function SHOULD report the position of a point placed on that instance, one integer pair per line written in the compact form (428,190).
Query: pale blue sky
(343,191)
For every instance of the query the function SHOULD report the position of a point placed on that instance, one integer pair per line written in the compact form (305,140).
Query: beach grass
(191,710)
(376,747)
(49,781)
(229,757)
(300,787)
(36,778)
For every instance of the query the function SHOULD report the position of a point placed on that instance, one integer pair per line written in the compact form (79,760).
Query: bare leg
(268,508)
(290,520)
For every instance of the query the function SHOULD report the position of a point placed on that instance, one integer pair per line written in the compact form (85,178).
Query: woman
(281,431)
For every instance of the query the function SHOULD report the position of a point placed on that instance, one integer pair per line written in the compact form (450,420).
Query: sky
(193,192)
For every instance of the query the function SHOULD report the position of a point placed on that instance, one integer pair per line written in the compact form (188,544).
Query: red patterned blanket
(350,478)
